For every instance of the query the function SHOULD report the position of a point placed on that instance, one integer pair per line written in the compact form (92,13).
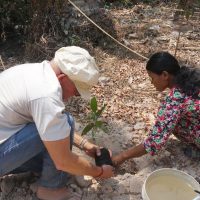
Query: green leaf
(99,112)
(99,124)
(87,129)
(93,104)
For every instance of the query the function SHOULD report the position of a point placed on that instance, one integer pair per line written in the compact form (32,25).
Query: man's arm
(89,148)
(132,152)
(78,140)
(67,161)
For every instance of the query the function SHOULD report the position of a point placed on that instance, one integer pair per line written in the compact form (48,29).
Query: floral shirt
(178,114)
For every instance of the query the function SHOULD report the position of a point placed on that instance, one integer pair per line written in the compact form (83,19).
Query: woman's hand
(118,160)
(132,152)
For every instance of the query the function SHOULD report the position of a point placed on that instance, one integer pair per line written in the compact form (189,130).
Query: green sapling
(94,122)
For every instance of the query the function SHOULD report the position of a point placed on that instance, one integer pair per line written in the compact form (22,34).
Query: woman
(179,113)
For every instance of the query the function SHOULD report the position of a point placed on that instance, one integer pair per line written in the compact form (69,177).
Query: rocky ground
(131,101)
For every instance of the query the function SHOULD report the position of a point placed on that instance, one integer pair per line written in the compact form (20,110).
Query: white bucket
(172,175)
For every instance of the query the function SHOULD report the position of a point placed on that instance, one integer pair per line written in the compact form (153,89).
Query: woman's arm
(168,116)
(132,152)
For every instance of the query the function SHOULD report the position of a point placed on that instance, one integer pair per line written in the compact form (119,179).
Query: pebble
(73,186)
(83,181)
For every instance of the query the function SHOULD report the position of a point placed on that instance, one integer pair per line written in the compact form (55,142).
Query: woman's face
(160,81)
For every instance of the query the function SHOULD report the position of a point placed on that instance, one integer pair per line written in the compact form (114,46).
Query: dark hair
(186,78)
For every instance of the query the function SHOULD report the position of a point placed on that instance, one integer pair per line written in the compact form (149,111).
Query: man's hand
(107,172)
(88,147)
(91,149)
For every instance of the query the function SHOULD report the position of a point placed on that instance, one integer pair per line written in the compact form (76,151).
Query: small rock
(83,181)
(130,80)
(163,38)
(104,79)
(95,186)
(73,186)
(133,36)
(154,27)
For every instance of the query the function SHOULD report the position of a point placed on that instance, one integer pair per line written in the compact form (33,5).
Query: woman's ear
(165,75)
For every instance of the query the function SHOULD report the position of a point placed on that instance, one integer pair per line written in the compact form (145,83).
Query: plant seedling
(94,122)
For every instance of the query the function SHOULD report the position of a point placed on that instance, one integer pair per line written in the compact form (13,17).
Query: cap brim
(83,89)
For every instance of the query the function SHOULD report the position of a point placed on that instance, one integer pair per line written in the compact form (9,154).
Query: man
(35,134)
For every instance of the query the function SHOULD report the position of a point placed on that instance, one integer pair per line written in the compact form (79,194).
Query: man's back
(20,86)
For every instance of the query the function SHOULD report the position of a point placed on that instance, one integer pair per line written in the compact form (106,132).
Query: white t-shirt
(32,93)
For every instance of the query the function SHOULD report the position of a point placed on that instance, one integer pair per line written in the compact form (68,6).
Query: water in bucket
(167,187)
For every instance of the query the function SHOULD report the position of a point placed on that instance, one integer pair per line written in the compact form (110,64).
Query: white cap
(79,66)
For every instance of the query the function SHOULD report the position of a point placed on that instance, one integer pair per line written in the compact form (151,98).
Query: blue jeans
(25,151)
